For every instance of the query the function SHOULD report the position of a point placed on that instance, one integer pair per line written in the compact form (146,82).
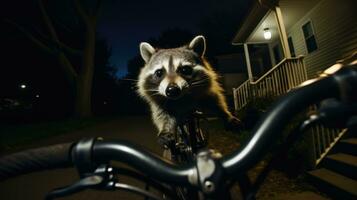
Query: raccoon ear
(198,45)
(146,51)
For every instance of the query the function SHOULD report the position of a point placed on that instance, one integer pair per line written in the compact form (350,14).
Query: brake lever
(102,178)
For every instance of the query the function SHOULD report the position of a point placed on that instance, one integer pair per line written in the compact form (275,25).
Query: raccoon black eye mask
(176,81)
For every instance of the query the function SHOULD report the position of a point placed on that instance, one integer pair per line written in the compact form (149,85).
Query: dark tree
(25,63)
(77,64)
(105,87)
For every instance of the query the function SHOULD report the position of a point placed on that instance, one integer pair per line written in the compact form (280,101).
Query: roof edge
(258,10)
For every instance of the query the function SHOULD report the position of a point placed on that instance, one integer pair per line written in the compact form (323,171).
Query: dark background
(121,26)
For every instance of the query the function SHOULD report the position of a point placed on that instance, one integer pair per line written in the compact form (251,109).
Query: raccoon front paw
(166,140)
(233,124)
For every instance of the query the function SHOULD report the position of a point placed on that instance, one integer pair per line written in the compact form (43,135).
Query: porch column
(247,60)
(282,32)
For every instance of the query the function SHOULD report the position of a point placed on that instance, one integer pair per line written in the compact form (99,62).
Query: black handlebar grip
(56,156)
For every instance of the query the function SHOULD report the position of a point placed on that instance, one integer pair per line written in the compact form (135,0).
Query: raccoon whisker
(151,90)
(194,86)
(134,86)
(202,79)
(129,79)
(155,93)
(199,82)
(197,85)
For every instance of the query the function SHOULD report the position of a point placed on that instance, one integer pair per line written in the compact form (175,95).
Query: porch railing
(323,139)
(289,73)
(283,77)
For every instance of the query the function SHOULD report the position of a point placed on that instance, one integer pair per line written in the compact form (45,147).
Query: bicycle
(210,174)
(183,148)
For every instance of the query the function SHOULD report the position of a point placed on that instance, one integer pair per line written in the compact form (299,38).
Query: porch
(272,64)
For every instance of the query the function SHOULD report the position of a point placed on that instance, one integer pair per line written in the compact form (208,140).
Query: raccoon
(175,82)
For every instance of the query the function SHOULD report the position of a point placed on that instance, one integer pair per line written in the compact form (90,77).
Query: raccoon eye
(159,73)
(185,70)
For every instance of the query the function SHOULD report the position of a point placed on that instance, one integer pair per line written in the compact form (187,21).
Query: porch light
(267,34)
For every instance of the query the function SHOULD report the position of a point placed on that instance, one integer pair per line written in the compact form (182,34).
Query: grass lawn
(222,140)
(15,135)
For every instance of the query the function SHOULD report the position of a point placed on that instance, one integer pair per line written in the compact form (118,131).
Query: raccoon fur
(175,82)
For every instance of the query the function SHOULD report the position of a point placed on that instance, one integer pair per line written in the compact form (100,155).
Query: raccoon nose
(173,91)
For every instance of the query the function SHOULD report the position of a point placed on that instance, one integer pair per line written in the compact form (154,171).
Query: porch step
(335,185)
(344,164)
(348,146)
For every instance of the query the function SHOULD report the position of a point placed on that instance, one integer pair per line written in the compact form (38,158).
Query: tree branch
(64,61)
(96,12)
(60,45)
(69,49)
(57,21)
(97,8)
(67,66)
(48,21)
(36,41)
(82,13)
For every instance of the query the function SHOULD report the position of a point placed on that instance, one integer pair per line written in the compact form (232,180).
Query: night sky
(125,24)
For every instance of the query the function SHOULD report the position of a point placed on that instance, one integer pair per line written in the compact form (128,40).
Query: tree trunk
(84,81)
(83,98)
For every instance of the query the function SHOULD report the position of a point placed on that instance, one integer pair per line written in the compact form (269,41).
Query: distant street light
(23,86)
(37,96)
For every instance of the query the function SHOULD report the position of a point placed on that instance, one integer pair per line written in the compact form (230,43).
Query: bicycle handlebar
(142,160)
(337,86)
(56,156)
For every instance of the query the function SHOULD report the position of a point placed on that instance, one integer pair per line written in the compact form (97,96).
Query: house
(289,41)
(324,31)
(309,34)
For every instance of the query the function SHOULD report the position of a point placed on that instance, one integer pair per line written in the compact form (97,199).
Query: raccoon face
(173,73)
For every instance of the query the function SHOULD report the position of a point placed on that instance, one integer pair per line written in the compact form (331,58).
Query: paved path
(33,186)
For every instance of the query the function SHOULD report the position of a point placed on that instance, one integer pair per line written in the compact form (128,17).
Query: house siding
(335,28)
